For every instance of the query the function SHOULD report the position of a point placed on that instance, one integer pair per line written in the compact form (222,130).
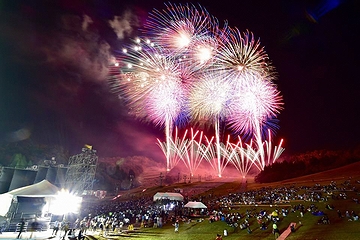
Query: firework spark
(256,100)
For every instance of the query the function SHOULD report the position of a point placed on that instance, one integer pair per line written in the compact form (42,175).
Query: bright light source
(182,40)
(240,67)
(204,54)
(64,203)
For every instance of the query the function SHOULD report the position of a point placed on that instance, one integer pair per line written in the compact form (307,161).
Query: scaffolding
(81,171)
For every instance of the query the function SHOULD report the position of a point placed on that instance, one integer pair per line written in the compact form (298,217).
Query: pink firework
(178,26)
(256,100)
(185,32)
(209,100)
(153,86)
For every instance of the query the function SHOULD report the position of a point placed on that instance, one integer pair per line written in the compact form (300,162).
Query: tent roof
(40,189)
(168,195)
(195,205)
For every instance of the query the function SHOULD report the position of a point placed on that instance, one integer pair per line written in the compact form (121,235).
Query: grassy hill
(307,227)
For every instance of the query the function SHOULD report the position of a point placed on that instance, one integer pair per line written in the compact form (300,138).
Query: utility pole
(161,178)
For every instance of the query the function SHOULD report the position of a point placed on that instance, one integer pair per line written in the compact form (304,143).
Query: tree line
(307,163)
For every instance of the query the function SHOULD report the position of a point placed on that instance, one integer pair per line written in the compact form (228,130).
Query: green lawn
(338,229)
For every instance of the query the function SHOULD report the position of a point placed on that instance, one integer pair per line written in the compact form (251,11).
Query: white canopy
(195,205)
(168,195)
(40,189)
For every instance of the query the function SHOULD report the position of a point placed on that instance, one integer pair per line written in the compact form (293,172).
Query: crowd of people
(116,215)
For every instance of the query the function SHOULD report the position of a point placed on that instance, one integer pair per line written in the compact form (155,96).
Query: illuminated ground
(339,228)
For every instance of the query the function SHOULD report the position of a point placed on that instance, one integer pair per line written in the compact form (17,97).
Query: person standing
(55,228)
(21,228)
(65,227)
(276,231)
(218,237)
(176,226)
(3,226)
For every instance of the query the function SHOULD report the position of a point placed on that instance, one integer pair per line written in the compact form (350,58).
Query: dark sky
(53,71)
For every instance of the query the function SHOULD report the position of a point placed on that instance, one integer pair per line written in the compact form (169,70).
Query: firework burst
(153,88)
(210,97)
(241,54)
(177,27)
(255,101)
(186,32)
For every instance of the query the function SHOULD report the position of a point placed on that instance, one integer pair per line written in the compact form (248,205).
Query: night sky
(54,71)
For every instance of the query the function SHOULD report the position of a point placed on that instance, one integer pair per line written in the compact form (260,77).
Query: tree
(19,161)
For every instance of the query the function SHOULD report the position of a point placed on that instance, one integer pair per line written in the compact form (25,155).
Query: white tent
(168,195)
(195,205)
(40,189)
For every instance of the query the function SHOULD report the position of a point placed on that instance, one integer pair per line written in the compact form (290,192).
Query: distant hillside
(351,171)
(307,164)
(348,171)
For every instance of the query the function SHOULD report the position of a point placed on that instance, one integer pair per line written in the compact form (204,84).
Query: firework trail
(242,158)
(246,156)
(209,152)
(190,154)
(189,151)
(172,148)
(272,156)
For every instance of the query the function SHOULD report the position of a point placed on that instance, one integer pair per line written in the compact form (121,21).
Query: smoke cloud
(123,25)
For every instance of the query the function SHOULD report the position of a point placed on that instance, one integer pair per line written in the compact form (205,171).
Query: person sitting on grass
(218,237)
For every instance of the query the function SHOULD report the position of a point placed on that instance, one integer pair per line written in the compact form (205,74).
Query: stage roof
(168,195)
